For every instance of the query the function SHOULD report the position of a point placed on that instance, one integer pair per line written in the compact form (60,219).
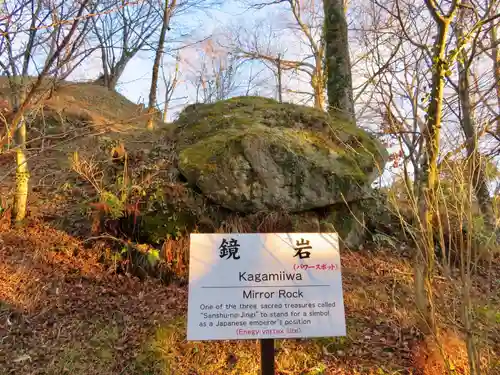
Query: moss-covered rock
(348,220)
(306,222)
(251,154)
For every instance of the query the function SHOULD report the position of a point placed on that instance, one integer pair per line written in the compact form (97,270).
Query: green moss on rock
(346,220)
(252,153)
(306,222)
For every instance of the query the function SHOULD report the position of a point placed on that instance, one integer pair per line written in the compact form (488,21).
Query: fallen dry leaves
(56,298)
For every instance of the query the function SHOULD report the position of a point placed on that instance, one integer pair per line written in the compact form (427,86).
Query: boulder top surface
(199,120)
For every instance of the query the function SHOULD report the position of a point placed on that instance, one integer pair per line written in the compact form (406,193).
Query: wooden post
(267,357)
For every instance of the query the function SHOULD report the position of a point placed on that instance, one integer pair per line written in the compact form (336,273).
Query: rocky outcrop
(252,154)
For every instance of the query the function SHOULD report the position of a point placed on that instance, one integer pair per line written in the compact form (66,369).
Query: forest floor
(62,311)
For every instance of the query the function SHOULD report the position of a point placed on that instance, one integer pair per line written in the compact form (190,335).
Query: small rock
(24,357)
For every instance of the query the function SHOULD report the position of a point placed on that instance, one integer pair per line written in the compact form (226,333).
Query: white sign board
(256,286)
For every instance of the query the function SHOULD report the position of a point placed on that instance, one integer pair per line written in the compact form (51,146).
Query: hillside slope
(76,117)
(86,100)
(70,305)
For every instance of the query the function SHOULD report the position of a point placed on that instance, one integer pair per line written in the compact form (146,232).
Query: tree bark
(317,82)
(476,165)
(279,79)
(110,77)
(480,187)
(496,70)
(428,200)
(156,66)
(22,174)
(18,125)
(467,312)
(339,78)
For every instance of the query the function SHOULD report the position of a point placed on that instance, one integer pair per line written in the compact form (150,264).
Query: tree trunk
(279,79)
(317,82)
(467,313)
(319,96)
(156,65)
(480,187)
(477,171)
(18,126)
(165,112)
(22,99)
(22,172)
(339,79)
(110,77)
(428,200)
(170,86)
(496,69)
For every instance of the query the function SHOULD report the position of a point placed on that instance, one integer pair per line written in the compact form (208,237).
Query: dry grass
(177,356)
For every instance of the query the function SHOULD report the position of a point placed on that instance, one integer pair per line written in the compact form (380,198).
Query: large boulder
(251,154)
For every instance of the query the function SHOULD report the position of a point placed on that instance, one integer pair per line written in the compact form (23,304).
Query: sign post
(264,286)
(267,357)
